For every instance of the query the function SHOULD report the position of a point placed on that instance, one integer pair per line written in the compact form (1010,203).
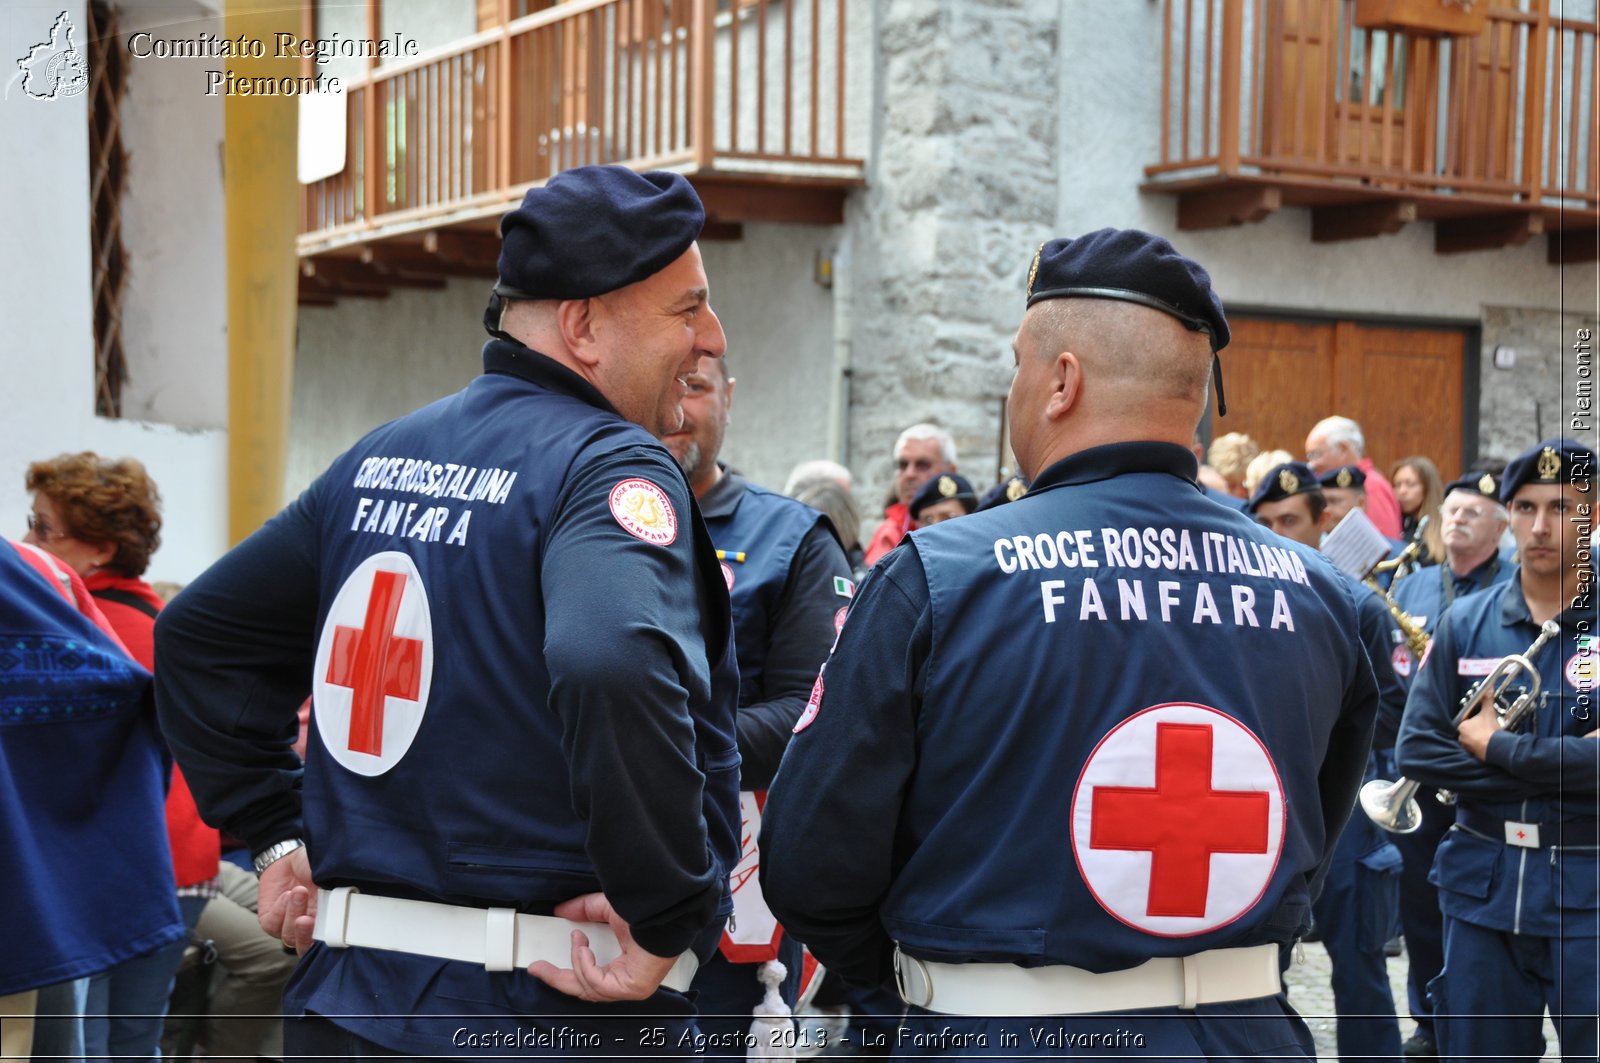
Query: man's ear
(1066,386)
(576,320)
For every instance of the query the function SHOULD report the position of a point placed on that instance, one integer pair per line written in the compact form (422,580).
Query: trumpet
(1393,805)
(1416,638)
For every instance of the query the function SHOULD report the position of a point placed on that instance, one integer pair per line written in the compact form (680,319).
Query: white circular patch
(374,665)
(1177,820)
(727,574)
(1583,670)
(644,510)
(1401,659)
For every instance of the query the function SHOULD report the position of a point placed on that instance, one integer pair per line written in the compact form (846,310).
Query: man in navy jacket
(1518,871)
(1034,781)
(510,616)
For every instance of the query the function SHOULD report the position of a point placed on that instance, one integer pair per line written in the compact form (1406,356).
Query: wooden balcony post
(702,58)
(1229,88)
(376,169)
(502,125)
(1533,131)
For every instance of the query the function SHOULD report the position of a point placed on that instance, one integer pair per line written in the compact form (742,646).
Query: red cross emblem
(374,664)
(1177,820)
(1181,820)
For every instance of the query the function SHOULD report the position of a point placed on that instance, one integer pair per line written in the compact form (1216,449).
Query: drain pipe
(839,400)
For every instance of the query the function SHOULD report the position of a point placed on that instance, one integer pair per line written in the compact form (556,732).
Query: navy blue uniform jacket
(1546,773)
(576,728)
(787,577)
(930,799)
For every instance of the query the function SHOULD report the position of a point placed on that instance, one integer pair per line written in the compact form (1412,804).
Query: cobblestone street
(1311,993)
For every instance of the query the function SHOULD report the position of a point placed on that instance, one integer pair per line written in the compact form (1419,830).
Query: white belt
(498,938)
(995,989)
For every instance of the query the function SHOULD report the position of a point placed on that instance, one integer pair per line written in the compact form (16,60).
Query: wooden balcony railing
(750,90)
(1267,102)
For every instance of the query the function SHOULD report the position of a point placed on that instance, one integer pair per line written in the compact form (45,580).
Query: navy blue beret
(1008,490)
(1284,481)
(943,488)
(1349,477)
(1555,461)
(1133,266)
(595,229)
(1477,483)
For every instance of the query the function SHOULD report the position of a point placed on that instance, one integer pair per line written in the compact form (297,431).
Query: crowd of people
(620,754)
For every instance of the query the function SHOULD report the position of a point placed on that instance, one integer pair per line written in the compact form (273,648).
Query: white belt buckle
(333,916)
(903,964)
(500,939)
(1522,835)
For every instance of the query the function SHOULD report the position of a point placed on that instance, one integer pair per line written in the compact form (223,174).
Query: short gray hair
(947,442)
(816,471)
(834,501)
(1341,430)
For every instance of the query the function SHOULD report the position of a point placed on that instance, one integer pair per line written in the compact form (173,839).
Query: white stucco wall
(365,361)
(780,330)
(47,405)
(174,315)
(362,362)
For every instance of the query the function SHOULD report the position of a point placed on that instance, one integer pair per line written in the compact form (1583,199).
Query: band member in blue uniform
(511,618)
(1471,523)
(1357,909)
(1032,782)
(942,498)
(789,582)
(1518,872)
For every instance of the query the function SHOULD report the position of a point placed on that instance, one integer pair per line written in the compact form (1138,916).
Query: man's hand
(288,905)
(1476,730)
(634,975)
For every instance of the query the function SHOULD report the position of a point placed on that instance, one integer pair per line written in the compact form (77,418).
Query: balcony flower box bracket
(1424,18)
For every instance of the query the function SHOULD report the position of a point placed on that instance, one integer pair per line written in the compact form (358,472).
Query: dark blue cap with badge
(945,487)
(594,229)
(1477,483)
(1348,477)
(1008,490)
(1555,461)
(1135,267)
(1284,481)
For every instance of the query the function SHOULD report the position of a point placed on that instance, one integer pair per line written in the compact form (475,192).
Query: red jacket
(896,523)
(196,848)
(1383,509)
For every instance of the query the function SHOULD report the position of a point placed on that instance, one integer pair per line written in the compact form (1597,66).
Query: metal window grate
(108,174)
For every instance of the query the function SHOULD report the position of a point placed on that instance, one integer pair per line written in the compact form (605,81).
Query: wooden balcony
(1272,103)
(745,97)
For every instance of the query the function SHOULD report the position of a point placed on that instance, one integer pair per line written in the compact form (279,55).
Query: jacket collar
(1114,459)
(513,359)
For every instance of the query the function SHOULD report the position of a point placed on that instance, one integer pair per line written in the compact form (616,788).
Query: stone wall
(1539,396)
(962,187)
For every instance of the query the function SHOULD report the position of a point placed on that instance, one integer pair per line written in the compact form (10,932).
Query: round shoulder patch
(1178,820)
(644,511)
(374,665)
(813,703)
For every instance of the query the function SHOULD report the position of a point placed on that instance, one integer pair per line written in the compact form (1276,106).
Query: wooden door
(1403,385)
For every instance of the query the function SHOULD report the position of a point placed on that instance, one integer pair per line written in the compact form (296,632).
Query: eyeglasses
(42,530)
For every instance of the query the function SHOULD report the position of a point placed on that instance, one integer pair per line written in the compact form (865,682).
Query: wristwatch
(275,852)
